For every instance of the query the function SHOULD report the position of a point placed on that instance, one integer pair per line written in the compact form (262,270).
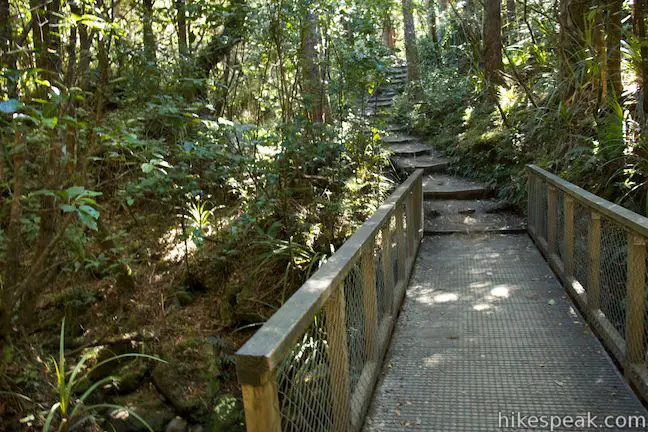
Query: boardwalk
(486,328)
(487,338)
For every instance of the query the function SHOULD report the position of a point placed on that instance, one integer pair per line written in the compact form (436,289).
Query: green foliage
(73,412)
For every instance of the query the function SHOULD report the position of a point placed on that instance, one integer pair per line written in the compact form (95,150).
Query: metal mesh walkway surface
(487,332)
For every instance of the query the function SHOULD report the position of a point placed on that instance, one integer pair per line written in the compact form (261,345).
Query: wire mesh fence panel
(531,199)
(560,225)
(542,209)
(614,253)
(356,338)
(304,383)
(645,320)
(581,255)
(382,299)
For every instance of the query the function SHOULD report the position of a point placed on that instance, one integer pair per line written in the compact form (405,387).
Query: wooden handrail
(628,347)
(264,351)
(623,216)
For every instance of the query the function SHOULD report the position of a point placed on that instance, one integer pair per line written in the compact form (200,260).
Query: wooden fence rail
(598,249)
(315,362)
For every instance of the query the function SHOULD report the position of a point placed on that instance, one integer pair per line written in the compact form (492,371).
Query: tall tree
(639,28)
(147,31)
(432,18)
(614,46)
(388,32)
(313,88)
(181,22)
(511,20)
(411,50)
(492,36)
(7,59)
(572,40)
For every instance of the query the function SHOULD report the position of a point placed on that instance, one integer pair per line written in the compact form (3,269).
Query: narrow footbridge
(406,329)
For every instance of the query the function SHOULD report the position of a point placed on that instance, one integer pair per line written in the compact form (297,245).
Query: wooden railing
(314,364)
(598,249)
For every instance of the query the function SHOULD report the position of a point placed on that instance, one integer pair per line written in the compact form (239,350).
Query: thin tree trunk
(639,26)
(492,31)
(411,50)
(6,46)
(388,33)
(432,25)
(313,88)
(181,20)
(511,20)
(219,46)
(614,47)
(14,241)
(148,36)
(572,41)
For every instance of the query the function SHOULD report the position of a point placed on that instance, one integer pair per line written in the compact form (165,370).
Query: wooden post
(369,301)
(388,267)
(594,254)
(552,207)
(568,259)
(409,212)
(334,310)
(635,283)
(262,406)
(419,208)
(400,244)
(530,198)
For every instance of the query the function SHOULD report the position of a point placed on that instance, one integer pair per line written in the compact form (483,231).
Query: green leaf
(93,213)
(10,106)
(68,208)
(147,167)
(73,192)
(50,122)
(88,221)
(130,201)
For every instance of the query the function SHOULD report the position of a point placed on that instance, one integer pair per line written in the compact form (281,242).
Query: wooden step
(381,102)
(428,163)
(471,216)
(438,186)
(399,139)
(410,149)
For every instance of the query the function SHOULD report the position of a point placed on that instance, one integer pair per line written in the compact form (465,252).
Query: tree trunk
(614,47)
(432,25)
(388,33)
(220,45)
(639,26)
(511,20)
(6,45)
(411,50)
(181,20)
(492,34)
(572,41)
(148,36)
(313,89)
(14,242)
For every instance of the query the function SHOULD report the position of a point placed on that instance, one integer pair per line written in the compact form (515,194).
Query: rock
(124,421)
(131,376)
(146,403)
(178,424)
(226,415)
(467,211)
(190,380)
